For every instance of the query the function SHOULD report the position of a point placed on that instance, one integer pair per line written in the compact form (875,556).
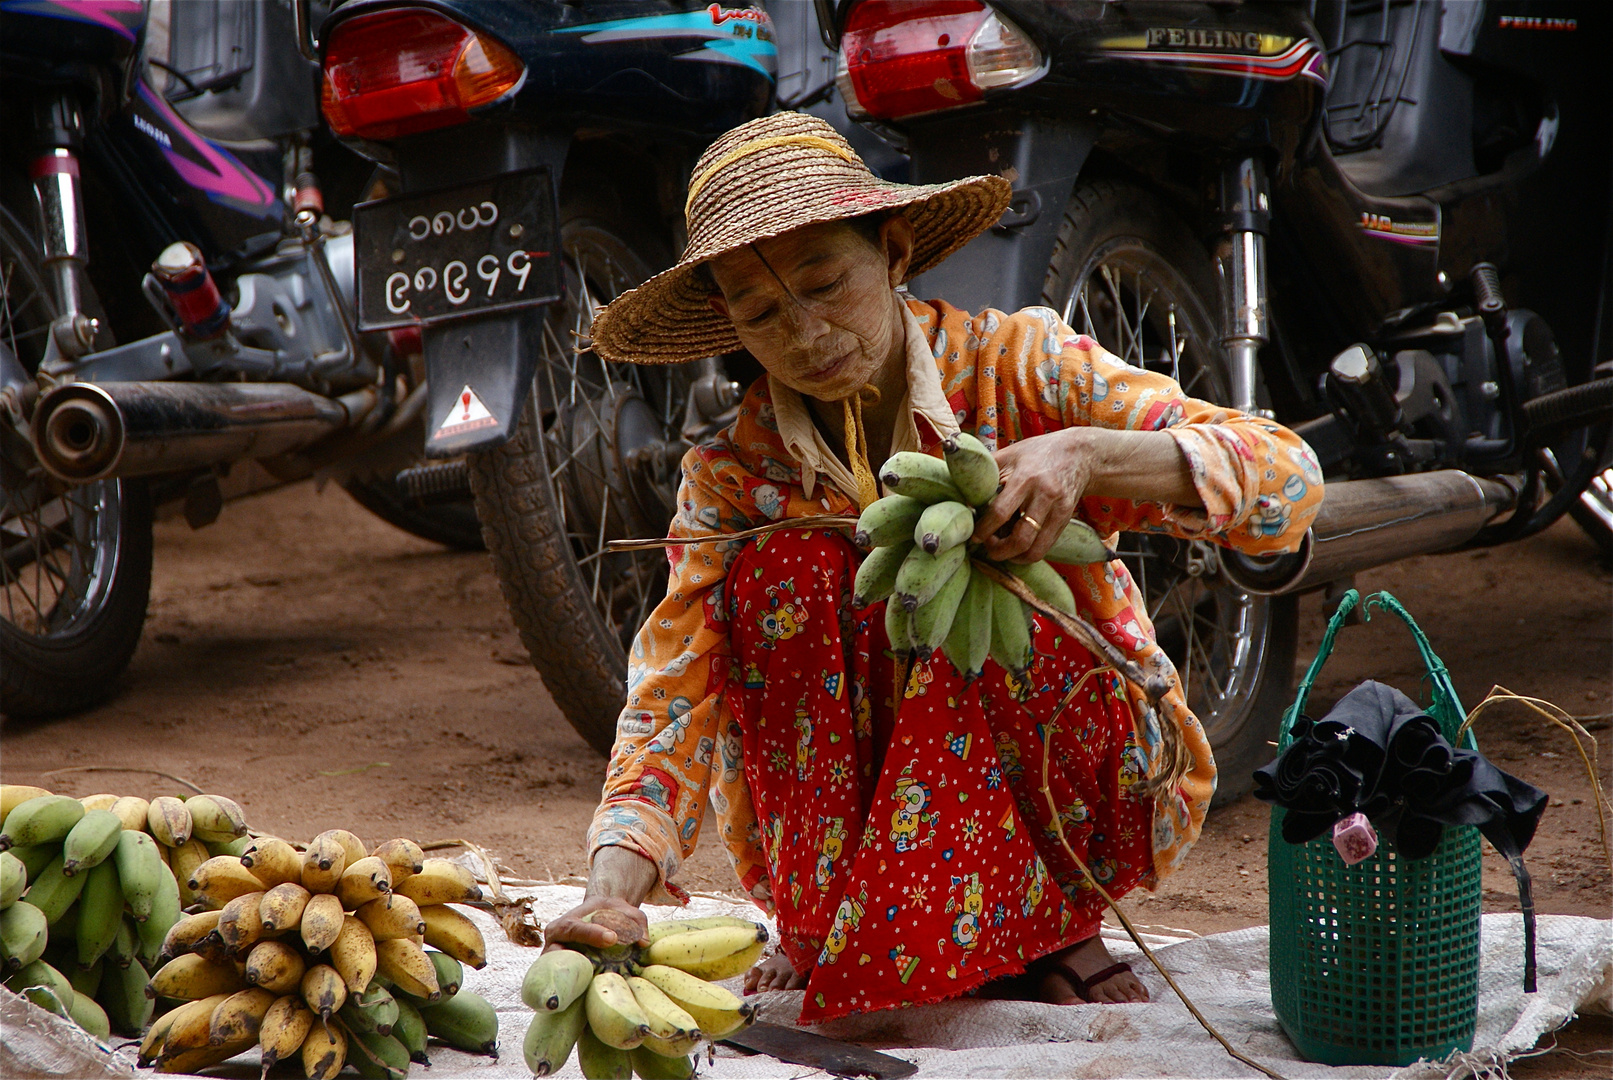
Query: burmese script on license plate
(467,250)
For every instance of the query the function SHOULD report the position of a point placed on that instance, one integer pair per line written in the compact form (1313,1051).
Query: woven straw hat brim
(667,320)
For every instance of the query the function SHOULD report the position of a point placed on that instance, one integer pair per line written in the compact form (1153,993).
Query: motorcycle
(1385,224)
(264,343)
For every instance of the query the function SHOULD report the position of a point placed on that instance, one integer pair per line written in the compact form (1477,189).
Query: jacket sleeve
(660,773)
(1260,484)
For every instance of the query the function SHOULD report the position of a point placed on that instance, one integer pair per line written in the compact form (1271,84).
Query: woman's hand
(618,881)
(1043,478)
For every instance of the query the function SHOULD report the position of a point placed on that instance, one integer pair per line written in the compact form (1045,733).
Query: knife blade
(799,1047)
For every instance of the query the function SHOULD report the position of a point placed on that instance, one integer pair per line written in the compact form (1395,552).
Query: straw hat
(762,179)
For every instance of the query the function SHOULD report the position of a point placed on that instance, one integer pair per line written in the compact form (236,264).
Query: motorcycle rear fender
(1005,266)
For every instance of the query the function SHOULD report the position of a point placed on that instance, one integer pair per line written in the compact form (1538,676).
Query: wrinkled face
(815,306)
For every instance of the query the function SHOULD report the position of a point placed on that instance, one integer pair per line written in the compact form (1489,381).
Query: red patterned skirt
(909,839)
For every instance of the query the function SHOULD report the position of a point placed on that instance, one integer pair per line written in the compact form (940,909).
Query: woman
(900,832)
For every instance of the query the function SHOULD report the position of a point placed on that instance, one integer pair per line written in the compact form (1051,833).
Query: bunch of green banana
(88,894)
(639,1009)
(920,562)
(330,953)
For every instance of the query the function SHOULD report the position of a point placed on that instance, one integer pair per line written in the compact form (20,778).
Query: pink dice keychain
(1355,839)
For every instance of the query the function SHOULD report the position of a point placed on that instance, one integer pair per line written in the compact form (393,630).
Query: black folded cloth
(1379,754)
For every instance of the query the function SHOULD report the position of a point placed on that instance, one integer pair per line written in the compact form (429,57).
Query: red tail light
(405,70)
(905,57)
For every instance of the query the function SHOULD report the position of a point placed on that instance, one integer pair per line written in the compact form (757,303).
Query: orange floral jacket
(1006,377)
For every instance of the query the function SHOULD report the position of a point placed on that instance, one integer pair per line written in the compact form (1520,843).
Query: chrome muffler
(85,431)
(1367,523)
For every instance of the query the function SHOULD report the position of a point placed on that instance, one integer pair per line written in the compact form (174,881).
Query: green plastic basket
(1376,963)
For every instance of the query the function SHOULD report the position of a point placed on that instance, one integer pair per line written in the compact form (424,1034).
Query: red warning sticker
(468,414)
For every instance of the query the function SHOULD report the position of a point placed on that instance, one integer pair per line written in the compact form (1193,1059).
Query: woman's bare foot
(1084,960)
(774,973)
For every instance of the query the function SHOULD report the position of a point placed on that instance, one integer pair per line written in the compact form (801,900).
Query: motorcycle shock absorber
(1246,218)
(55,176)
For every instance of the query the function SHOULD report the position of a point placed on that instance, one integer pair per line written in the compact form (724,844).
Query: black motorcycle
(1383,222)
(188,314)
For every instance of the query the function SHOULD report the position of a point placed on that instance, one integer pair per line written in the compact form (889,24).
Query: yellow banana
(183,1015)
(659,930)
(403,857)
(140,872)
(972,468)
(285,1026)
(239,1016)
(454,934)
(720,952)
(182,862)
(323,991)
(406,965)
(321,921)
(215,819)
(352,954)
(91,841)
(673,1032)
(551,1035)
(169,821)
(919,475)
(240,923)
(275,966)
(190,1028)
(43,820)
(133,811)
(876,577)
(221,879)
(714,1008)
(14,795)
(192,977)
(203,1057)
(273,861)
(324,1052)
(281,907)
(942,526)
(932,622)
(614,1014)
(188,933)
(352,847)
(363,881)
(556,979)
(888,521)
(598,1060)
(323,863)
(440,881)
(394,916)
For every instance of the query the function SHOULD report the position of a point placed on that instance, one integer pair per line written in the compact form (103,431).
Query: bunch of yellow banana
(631,1009)
(920,561)
(88,891)
(321,955)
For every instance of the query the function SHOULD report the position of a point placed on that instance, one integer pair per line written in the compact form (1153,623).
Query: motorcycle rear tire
(95,617)
(1118,225)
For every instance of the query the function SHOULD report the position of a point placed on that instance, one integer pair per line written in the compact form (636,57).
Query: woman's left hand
(1043,478)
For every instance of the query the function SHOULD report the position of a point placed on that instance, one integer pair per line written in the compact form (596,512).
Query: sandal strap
(1097,977)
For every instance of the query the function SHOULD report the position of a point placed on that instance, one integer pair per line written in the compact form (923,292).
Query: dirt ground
(325,669)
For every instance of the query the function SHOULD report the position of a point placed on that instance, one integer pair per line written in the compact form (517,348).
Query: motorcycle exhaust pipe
(1367,523)
(89,431)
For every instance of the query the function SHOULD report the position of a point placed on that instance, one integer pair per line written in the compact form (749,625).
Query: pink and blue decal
(124,17)
(741,36)
(219,173)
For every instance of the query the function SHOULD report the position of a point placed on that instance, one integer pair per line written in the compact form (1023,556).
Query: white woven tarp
(1224,974)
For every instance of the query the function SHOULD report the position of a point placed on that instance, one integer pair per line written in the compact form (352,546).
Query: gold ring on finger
(1037,525)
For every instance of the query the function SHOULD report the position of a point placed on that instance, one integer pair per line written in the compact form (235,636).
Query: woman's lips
(833,368)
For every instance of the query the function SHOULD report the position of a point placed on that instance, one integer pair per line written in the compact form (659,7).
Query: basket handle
(1438,675)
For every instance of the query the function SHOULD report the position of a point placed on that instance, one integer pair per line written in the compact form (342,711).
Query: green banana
(100,912)
(1046,583)
(24,933)
(1010,630)
(165,911)
(600,1061)
(968,640)
(920,476)
(410,1030)
(92,840)
(13,879)
(898,627)
(876,577)
(556,979)
(53,892)
(42,820)
(922,575)
(85,980)
(887,521)
(450,973)
(1079,543)
(972,468)
(376,1056)
(49,1000)
(125,943)
(465,1021)
(652,1066)
(123,995)
(35,857)
(933,621)
(141,871)
(234,848)
(551,1035)
(84,1012)
(375,1010)
(39,973)
(943,525)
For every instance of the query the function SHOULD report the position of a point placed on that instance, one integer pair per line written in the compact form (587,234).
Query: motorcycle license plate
(468,250)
